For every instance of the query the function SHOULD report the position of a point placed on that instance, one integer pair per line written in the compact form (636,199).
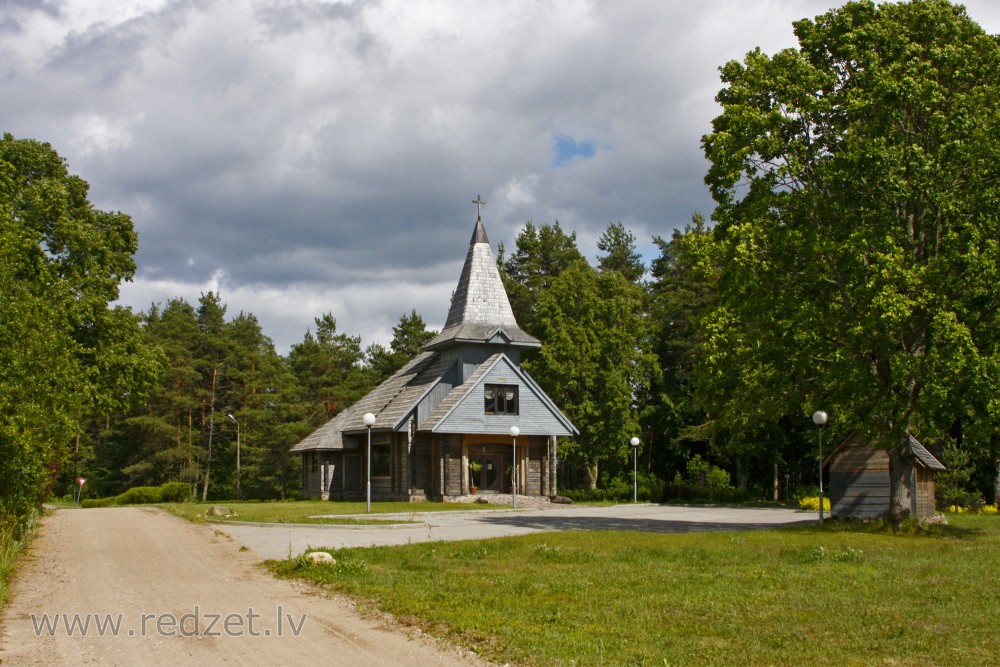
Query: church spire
(480,305)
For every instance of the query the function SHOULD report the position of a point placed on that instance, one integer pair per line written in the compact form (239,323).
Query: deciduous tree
(595,360)
(65,352)
(857,181)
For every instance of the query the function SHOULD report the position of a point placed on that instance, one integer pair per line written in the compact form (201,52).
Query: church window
(501,399)
(381,460)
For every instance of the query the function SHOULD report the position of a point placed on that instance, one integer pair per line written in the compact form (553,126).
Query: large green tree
(857,186)
(595,360)
(65,353)
(540,255)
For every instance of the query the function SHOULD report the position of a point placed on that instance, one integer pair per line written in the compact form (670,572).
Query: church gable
(499,395)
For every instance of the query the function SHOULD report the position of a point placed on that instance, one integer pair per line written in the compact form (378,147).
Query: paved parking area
(282,540)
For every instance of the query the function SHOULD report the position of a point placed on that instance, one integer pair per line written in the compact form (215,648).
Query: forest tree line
(623,346)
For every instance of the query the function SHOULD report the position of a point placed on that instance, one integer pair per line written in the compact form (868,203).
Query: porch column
(406,477)
(465,468)
(553,466)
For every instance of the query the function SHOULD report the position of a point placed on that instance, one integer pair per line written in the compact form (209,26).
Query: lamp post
(635,469)
(819,418)
(233,419)
(514,432)
(369,422)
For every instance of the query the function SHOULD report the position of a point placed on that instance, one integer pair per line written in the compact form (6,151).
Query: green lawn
(841,595)
(301,511)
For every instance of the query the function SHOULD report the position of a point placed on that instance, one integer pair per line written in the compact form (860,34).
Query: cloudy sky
(309,156)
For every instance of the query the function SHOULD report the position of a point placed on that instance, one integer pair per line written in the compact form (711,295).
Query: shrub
(175,492)
(691,493)
(650,490)
(171,492)
(140,495)
(702,473)
(811,503)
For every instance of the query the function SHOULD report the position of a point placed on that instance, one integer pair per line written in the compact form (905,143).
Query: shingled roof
(480,309)
(925,457)
(390,402)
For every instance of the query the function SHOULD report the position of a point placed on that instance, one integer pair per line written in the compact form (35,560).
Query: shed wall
(859,482)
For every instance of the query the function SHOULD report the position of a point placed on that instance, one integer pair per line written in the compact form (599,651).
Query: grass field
(847,594)
(302,511)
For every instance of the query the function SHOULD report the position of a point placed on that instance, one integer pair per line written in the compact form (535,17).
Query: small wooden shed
(859,479)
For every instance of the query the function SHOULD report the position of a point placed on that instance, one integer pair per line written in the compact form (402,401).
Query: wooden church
(442,427)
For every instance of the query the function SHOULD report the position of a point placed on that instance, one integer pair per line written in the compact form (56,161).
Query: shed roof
(924,457)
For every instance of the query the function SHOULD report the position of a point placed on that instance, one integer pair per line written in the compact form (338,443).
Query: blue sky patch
(567,148)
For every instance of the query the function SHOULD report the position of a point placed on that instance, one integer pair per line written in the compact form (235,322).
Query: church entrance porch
(488,468)
(485,473)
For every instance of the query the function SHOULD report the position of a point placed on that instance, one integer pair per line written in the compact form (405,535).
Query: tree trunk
(777,486)
(995,456)
(995,451)
(592,474)
(741,474)
(996,484)
(901,462)
(211,432)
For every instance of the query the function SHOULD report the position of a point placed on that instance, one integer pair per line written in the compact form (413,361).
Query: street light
(514,432)
(369,422)
(233,419)
(819,418)
(635,469)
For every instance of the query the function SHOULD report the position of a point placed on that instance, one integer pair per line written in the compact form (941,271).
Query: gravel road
(133,586)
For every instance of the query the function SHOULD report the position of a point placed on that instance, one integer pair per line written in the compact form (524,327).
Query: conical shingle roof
(480,310)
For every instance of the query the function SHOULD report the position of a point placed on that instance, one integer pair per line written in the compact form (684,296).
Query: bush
(175,492)
(811,503)
(704,483)
(704,474)
(171,492)
(140,495)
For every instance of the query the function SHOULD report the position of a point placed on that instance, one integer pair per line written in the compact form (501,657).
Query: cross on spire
(478,201)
